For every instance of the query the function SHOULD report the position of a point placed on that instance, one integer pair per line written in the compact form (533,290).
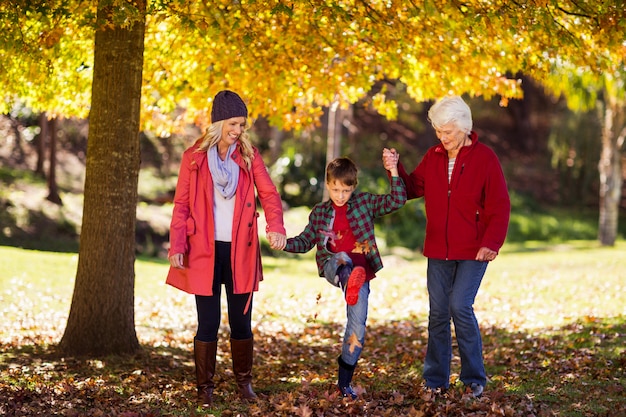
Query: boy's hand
(277,241)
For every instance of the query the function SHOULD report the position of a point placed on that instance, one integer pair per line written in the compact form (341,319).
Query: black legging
(209,307)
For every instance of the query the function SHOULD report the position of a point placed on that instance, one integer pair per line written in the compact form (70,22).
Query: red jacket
(192,230)
(468,213)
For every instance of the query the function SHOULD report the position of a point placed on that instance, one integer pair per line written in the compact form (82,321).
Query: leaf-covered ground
(573,370)
(294,377)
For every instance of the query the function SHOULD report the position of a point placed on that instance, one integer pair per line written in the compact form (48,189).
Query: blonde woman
(214,237)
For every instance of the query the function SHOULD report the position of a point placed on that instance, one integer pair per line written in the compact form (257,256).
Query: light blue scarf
(225,173)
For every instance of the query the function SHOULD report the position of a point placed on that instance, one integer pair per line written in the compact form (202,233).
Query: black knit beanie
(226,105)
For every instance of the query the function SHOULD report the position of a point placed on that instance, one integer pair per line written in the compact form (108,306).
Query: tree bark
(17,153)
(333,141)
(53,189)
(41,145)
(610,168)
(101,319)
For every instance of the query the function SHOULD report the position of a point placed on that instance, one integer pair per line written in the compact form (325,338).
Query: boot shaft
(345,373)
(205,356)
(242,353)
(345,378)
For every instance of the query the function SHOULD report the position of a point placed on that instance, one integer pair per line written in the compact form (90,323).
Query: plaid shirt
(363,208)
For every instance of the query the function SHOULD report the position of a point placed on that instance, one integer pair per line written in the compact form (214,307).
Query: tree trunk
(101,319)
(53,189)
(613,132)
(333,142)
(521,112)
(41,144)
(17,153)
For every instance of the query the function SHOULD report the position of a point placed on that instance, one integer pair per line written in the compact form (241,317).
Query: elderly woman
(467,216)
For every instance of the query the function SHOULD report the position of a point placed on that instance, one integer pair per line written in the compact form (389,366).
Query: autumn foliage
(291,59)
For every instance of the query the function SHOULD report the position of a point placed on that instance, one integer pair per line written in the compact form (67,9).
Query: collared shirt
(363,208)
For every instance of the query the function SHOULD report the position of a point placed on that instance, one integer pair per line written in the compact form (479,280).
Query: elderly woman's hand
(390,161)
(485,254)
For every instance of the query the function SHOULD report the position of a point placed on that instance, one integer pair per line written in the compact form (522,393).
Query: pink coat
(192,230)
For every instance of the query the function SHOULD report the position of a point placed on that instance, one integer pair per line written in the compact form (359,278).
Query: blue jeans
(354,336)
(452,288)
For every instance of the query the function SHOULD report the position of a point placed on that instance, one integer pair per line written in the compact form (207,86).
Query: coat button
(249,243)
(249,224)
(249,204)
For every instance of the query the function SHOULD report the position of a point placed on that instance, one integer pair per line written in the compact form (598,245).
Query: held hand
(390,160)
(176,261)
(277,241)
(486,255)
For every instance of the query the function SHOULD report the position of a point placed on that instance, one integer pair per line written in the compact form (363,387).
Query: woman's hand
(176,260)
(277,240)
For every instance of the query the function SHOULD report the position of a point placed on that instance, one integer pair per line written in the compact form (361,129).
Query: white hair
(451,109)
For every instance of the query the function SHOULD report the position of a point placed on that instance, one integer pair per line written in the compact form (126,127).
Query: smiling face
(339,192)
(231,130)
(452,138)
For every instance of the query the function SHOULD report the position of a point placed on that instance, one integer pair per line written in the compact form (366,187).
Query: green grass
(534,285)
(553,319)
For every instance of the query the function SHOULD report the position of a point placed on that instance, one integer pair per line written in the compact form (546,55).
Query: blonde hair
(213,135)
(451,109)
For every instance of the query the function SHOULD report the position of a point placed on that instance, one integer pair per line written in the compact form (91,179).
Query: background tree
(41,144)
(53,189)
(605,92)
(44,51)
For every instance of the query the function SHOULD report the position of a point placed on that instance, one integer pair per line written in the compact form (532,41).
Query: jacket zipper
(457,179)
(448,206)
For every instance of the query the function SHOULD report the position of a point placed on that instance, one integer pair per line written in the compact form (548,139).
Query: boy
(347,255)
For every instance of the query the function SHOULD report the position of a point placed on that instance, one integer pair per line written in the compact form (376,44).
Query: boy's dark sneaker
(343,274)
(348,392)
(355,282)
(477,389)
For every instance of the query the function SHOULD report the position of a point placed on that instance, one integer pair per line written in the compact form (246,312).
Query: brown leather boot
(204,353)
(242,351)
